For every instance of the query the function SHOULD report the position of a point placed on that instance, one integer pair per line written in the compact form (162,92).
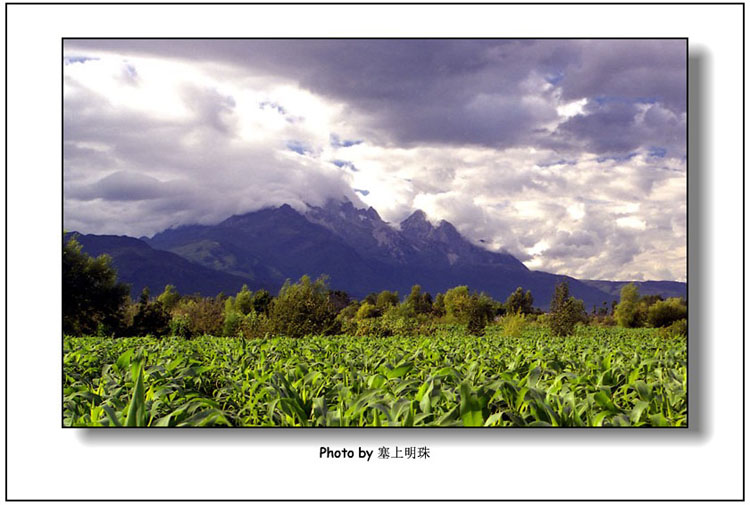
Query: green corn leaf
(136,415)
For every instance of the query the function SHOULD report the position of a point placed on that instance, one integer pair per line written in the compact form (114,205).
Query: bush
(400,320)
(150,318)
(179,326)
(366,311)
(232,323)
(664,313)
(205,315)
(372,327)
(255,325)
(513,324)
(674,330)
(303,309)
(243,302)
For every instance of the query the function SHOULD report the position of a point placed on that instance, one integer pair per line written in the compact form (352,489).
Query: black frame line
(686,426)
(349,4)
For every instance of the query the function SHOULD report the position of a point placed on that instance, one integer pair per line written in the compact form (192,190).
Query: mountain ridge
(361,253)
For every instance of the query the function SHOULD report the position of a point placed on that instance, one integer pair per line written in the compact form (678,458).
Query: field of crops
(599,377)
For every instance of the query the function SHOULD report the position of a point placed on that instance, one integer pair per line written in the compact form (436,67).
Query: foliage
(232,322)
(303,309)
(565,311)
(386,299)
(419,302)
(518,301)
(205,315)
(339,300)
(255,325)
(628,312)
(151,317)
(367,310)
(262,301)
(480,312)
(675,330)
(457,301)
(513,324)
(666,312)
(243,302)
(598,377)
(438,307)
(93,300)
(169,297)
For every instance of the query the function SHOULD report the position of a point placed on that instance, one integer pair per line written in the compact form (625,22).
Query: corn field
(597,377)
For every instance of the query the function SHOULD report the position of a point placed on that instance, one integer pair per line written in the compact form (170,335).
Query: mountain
(140,265)
(359,252)
(355,248)
(416,241)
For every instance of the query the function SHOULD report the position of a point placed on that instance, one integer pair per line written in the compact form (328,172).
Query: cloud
(569,158)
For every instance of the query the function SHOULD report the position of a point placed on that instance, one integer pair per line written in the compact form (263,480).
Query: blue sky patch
(298,147)
(657,152)
(77,59)
(625,157)
(337,142)
(345,164)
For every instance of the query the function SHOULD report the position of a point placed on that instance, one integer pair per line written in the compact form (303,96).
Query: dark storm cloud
(568,154)
(619,128)
(485,92)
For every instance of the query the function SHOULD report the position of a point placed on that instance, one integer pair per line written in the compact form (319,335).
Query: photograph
(374,232)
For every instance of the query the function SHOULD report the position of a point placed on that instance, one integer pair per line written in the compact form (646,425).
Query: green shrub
(513,324)
(366,311)
(303,309)
(232,322)
(372,327)
(664,313)
(674,330)
(179,326)
(255,325)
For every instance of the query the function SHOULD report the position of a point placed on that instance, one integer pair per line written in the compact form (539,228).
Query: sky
(569,154)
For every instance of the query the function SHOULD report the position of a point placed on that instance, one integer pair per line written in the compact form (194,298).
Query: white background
(46,461)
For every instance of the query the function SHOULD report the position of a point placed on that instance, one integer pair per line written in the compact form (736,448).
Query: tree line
(95,303)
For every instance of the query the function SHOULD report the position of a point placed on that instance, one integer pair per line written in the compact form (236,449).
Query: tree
(151,318)
(372,299)
(480,312)
(339,300)
(387,299)
(457,301)
(519,302)
(366,311)
(243,302)
(169,297)
(628,312)
(303,309)
(565,311)
(438,308)
(93,300)
(262,301)
(201,316)
(420,303)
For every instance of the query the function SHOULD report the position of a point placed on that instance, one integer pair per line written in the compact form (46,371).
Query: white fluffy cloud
(152,141)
